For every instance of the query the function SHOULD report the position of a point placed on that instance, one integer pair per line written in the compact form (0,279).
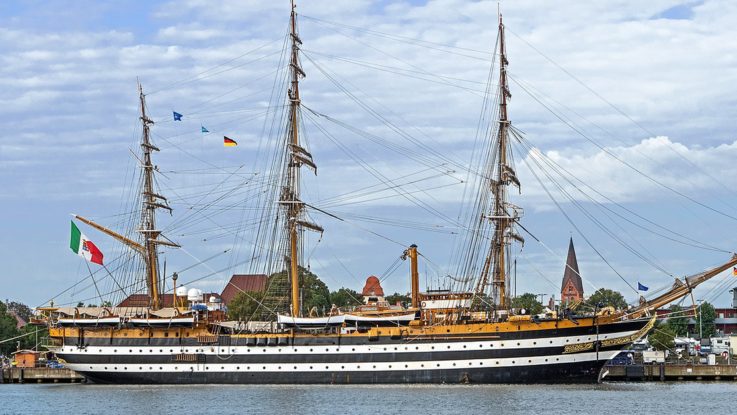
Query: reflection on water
(609,398)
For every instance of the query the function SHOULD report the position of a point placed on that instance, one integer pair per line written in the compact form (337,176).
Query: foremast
(150,202)
(495,271)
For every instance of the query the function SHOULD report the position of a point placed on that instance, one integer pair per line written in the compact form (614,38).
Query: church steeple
(572,287)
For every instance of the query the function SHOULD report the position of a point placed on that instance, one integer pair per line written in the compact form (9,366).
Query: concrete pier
(671,372)
(40,375)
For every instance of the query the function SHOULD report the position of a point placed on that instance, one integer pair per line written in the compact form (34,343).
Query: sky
(636,101)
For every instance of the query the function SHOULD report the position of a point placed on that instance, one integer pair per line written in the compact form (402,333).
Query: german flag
(227,142)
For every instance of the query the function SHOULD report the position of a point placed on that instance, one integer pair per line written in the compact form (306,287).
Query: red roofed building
(243,282)
(372,291)
(20,323)
(572,287)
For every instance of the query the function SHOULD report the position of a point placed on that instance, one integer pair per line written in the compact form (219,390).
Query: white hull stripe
(407,347)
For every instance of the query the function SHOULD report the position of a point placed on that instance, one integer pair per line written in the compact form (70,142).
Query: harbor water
(609,398)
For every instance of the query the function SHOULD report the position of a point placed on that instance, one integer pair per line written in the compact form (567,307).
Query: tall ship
(473,334)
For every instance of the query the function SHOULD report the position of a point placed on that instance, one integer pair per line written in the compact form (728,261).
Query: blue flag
(177,116)
(204,130)
(641,287)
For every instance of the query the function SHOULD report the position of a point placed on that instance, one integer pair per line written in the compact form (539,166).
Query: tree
(345,297)
(245,306)
(705,321)
(315,294)
(608,298)
(313,291)
(661,338)
(20,309)
(677,321)
(8,329)
(529,302)
(404,299)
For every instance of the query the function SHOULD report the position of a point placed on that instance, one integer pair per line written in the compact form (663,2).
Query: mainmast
(497,264)
(296,157)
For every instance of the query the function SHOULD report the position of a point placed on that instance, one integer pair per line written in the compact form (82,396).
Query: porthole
(248,368)
(353,350)
(422,365)
(529,361)
(518,344)
(438,364)
(116,368)
(116,350)
(295,368)
(512,361)
(448,347)
(175,368)
(406,366)
(342,367)
(464,346)
(374,366)
(222,367)
(567,340)
(237,368)
(310,367)
(534,342)
(264,367)
(130,351)
(310,349)
(454,364)
(326,367)
(140,368)
(469,363)
(279,367)
(105,367)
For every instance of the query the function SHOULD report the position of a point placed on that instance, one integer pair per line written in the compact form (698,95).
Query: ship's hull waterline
(571,354)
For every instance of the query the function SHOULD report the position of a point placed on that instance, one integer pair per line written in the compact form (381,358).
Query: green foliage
(245,306)
(705,321)
(345,297)
(22,310)
(315,294)
(29,341)
(609,298)
(529,302)
(7,329)
(483,302)
(661,338)
(677,321)
(404,299)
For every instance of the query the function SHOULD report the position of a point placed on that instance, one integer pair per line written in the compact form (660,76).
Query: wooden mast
(495,265)
(151,202)
(293,191)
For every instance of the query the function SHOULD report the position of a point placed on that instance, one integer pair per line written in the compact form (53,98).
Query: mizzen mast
(497,264)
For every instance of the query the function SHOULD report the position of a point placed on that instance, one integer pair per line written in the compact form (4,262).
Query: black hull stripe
(575,372)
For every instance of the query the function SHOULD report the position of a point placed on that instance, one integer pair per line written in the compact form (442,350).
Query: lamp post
(700,319)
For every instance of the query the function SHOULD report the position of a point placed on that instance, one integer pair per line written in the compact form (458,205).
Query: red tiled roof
(19,322)
(244,282)
(372,284)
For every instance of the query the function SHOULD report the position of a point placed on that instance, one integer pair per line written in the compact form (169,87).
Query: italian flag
(84,247)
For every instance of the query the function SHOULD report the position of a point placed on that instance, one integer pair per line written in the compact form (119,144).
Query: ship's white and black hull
(574,354)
